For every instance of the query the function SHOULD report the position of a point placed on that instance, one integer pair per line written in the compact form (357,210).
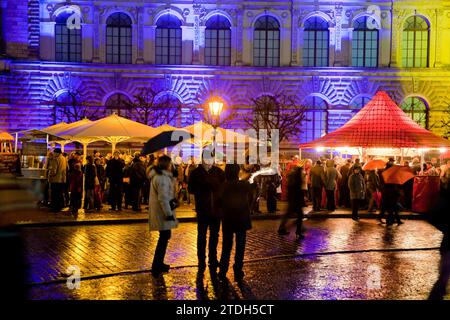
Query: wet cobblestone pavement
(338,259)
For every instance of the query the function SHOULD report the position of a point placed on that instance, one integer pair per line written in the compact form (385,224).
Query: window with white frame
(316,43)
(317,117)
(168,40)
(67,39)
(218,41)
(266,42)
(365,43)
(118,38)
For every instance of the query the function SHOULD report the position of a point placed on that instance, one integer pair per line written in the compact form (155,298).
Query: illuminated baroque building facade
(332,56)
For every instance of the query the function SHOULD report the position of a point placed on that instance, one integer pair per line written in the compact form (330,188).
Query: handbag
(174,204)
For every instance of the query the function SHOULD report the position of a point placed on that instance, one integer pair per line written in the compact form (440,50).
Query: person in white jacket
(162,206)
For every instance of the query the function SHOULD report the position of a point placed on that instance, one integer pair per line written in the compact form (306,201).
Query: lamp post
(215,109)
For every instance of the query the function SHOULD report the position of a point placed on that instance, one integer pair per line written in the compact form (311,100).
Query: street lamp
(215,109)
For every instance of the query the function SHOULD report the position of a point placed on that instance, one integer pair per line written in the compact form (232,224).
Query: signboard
(34,149)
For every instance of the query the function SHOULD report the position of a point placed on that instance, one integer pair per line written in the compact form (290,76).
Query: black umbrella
(164,140)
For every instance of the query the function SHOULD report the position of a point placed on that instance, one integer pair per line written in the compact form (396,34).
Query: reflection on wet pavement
(277,267)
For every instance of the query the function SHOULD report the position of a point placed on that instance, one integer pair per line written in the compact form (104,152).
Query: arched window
(415,46)
(218,41)
(317,117)
(118,103)
(365,43)
(67,38)
(266,42)
(168,40)
(417,109)
(316,42)
(118,38)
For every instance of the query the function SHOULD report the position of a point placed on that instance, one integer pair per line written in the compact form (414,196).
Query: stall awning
(380,124)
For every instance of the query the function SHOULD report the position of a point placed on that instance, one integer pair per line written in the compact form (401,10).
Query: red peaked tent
(380,124)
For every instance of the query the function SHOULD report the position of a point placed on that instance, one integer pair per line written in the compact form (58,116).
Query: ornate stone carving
(186,12)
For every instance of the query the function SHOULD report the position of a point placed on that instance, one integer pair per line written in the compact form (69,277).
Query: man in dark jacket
(114,172)
(236,201)
(137,180)
(205,184)
(317,181)
(296,201)
(344,192)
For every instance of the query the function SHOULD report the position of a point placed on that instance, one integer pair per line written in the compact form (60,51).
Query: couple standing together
(220,197)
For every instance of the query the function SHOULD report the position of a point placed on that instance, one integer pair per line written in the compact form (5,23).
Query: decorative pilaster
(199,13)
(338,35)
(96,37)
(294,37)
(140,36)
(239,34)
(397,17)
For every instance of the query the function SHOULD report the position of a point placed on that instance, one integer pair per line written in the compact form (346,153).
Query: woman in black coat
(236,202)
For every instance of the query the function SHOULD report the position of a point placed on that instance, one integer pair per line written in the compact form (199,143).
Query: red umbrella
(374,164)
(398,175)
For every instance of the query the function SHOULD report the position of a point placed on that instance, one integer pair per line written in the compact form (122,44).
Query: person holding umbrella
(162,207)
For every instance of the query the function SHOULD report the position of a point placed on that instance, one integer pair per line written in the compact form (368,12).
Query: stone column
(96,35)
(338,35)
(239,36)
(140,36)
(294,37)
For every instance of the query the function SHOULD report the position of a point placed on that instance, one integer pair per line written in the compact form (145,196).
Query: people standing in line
(344,192)
(357,190)
(373,186)
(100,184)
(90,177)
(162,216)
(114,173)
(75,188)
(307,171)
(191,166)
(205,184)
(137,180)
(296,180)
(332,176)
(126,181)
(235,203)
(317,182)
(57,176)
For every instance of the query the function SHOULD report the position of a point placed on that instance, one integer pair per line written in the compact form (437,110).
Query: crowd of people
(225,195)
(338,182)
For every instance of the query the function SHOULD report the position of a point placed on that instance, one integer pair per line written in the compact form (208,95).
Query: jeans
(213,224)
(89,199)
(355,207)
(135,197)
(161,248)
(115,194)
(75,201)
(227,245)
(317,198)
(57,196)
(331,202)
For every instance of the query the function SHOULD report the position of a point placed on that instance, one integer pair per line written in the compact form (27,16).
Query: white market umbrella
(112,129)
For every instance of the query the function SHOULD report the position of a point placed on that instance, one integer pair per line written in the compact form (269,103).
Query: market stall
(382,128)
